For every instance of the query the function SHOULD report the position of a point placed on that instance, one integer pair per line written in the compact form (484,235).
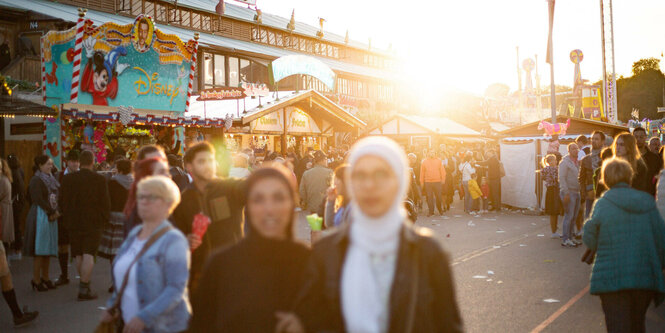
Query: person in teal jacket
(628,235)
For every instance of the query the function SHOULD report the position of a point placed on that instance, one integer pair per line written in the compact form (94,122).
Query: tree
(643,90)
(646,64)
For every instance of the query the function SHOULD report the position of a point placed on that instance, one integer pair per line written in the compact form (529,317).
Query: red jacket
(98,97)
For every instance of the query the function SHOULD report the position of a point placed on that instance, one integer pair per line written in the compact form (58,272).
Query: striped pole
(192,71)
(80,24)
(41,42)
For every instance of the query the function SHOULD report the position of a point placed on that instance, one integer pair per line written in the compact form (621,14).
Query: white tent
(521,158)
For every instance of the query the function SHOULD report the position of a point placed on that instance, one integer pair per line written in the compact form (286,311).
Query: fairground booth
(117,87)
(523,147)
(281,121)
(426,132)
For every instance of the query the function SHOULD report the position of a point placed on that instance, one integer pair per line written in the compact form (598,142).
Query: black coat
(319,304)
(84,201)
(243,287)
(654,164)
(118,195)
(493,166)
(224,201)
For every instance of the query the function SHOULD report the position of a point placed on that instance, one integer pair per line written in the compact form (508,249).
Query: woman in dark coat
(248,286)
(41,229)
(377,274)
(625,147)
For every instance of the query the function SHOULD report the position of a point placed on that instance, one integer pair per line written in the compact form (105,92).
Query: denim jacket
(162,274)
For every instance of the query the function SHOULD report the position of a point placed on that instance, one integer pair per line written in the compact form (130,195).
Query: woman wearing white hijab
(378,274)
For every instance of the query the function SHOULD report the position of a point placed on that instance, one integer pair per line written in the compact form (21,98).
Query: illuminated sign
(222,93)
(301,64)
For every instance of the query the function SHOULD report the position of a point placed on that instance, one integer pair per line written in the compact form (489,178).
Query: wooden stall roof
(577,126)
(16,106)
(419,125)
(308,100)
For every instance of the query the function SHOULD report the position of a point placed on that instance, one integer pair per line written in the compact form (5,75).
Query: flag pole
(550,55)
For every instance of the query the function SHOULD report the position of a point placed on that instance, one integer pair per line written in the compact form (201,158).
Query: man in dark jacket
(223,201)
(72,161)
(493,166)
(653,161)
(588,165)
(84,199)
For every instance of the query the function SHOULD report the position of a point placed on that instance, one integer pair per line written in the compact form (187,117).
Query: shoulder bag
(117,324)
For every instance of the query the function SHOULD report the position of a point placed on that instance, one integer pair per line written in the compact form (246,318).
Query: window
(278,39)
(220,70)
(271,38)
(245,71)
(234,77)
(150,9)
(208,69)
(205,21)
(196,21)
(186,18)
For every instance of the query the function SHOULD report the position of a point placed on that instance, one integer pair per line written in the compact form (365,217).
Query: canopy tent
(424,130)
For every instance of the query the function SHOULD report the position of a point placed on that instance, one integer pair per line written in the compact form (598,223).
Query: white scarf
(369,267)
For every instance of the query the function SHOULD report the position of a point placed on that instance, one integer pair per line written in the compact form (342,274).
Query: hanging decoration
(125,114)
(100,145)
(144,119)
(554,129)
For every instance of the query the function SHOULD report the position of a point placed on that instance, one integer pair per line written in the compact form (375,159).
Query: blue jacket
(628,235)
(162,274)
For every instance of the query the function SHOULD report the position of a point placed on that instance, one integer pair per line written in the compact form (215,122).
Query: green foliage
(643,90)
(646,64)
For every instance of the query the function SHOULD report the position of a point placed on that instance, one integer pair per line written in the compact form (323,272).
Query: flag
(571,110)
(549,36)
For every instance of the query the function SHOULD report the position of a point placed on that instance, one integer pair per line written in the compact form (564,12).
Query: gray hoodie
(568,172)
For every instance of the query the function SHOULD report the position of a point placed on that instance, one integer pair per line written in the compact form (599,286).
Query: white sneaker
(555,235)
(576,242)
(568,243)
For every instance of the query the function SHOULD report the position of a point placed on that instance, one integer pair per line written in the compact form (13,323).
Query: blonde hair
(545,162)
(616,170)
(162,187)
(632,153)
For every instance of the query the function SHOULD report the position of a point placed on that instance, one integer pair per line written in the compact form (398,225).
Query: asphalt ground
(505,266)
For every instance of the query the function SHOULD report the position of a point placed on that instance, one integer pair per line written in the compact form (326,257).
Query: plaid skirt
(112,236)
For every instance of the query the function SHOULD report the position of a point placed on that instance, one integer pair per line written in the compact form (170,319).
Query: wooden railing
(26,68)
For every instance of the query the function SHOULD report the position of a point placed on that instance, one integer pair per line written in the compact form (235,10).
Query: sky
(470,44)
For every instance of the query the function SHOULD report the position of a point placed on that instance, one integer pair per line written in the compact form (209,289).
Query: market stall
(299,121)
(116,87)
(425,132)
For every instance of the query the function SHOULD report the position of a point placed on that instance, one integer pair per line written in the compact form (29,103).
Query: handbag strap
(413,295)
(144,249)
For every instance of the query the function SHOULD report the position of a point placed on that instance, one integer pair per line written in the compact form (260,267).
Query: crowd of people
(606,192)
(436,175)
(194,250)
(220,253)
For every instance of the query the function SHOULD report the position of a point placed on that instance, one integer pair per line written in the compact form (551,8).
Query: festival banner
(120,65)
(592,104)
(132,65)
(301,64)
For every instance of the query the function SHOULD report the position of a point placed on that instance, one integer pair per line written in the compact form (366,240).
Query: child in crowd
(485,188)
(553,206)
(475,192)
